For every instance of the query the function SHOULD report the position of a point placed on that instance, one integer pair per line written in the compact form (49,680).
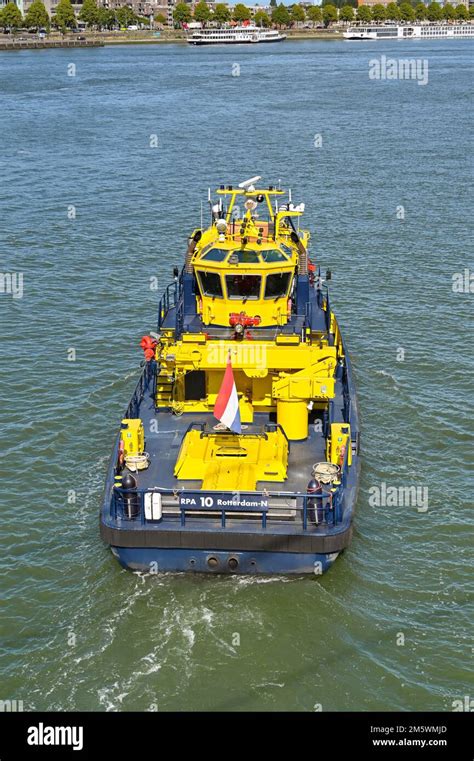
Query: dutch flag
(226,408)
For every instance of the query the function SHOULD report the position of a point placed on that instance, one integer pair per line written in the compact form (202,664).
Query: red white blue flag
(226,408)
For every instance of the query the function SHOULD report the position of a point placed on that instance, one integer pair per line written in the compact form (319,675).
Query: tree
(346,13)
(420,12)
(241,13)
(181,14)
(105,18)
(65,16)
(434,12)
(221,13)
(378,12)
(37,16)
(126,16)
(364,14)
(393,12)
(202,12)
(273,3)
(160,18)
(297,13)
(315,14)
(281,15)
(262,19)
(471,11)
(11,16)
(329,14)
(448,12)
(406,12)
(89,13)
(461,12)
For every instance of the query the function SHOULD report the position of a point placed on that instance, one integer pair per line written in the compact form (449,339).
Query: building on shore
(442,3)
(152,8)
(145,8)
(18,3)
(373,2)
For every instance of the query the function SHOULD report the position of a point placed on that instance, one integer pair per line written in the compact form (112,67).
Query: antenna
(249,184)
(210,202)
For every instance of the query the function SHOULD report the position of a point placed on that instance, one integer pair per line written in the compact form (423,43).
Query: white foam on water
(389,376)
(247,581)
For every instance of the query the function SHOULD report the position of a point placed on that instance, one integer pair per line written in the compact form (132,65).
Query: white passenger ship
(236,36)
(412,31)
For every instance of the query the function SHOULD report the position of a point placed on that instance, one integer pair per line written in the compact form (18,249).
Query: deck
(164,438)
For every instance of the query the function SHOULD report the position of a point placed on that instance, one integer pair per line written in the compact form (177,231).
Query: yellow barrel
(292,415)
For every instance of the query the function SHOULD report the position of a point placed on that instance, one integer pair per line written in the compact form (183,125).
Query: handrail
(169,299)
(331,505)
(268,332)
(147,378)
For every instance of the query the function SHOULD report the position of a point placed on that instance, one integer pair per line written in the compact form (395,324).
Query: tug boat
(239,449)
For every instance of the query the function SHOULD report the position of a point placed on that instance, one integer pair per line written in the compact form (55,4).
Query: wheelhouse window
(210,283)
(215,255)
(277,285)
(243,286)
(243,256)
(274,255)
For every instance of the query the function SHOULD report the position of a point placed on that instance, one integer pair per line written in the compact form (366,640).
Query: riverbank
(44,44)
(143,37)
(137,38)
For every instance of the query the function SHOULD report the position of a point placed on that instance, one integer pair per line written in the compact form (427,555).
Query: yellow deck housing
(133,436)
(228,461)
(337,443)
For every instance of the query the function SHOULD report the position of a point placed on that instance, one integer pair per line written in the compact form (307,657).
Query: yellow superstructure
(250,266)
(245,268)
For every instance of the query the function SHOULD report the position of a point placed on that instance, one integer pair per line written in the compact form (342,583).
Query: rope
(137,462)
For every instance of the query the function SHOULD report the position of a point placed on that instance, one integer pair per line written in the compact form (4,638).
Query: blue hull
(153,560)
